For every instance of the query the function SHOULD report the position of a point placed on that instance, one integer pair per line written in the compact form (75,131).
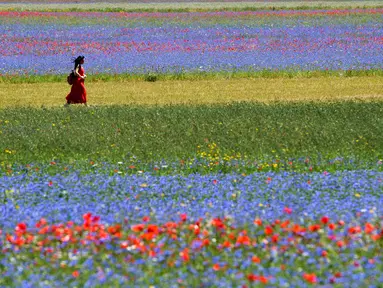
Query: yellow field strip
(198,92)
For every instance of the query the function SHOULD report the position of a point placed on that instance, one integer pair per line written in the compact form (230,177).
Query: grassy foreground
(283,130)
(197,92)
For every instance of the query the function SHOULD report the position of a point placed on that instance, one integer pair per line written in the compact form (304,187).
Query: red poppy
(268,230)
(185,255)
(314,228)
(243,240)
(21,227)
(263,279)
(252,277)
(325,219)
(354,230)
(258,222)
(218,223)
(138,227)
(256,259)
(285,224)
(287,210)
(375,237)
(332,226)
(311,278)
(369,228)
(146,219)
(338,274)
(226,244)
(183,217)
(340,243)
(298,229)
(275,238)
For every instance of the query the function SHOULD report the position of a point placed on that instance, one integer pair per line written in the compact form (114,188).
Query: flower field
(234,219)
(121,42)
(264,228)
(276,194)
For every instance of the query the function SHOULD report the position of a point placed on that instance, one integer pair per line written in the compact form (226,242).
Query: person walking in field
(77,93)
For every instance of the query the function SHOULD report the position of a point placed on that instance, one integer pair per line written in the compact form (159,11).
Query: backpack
(70,78)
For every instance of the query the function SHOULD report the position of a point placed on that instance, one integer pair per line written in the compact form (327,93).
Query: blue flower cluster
(115,198)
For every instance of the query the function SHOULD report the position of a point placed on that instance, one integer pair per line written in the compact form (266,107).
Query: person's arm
(78,74)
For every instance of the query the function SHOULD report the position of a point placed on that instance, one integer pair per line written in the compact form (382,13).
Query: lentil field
(226,144)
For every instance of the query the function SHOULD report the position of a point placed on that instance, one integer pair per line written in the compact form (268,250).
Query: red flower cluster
(218,235)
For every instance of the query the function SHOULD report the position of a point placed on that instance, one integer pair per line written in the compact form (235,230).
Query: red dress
(78,92)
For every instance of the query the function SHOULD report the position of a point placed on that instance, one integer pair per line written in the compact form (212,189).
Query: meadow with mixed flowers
(238,194)
(141,42)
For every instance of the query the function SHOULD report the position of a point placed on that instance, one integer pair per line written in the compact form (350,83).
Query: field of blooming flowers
(122,42)
(214,218)
(222,230)
(240,195)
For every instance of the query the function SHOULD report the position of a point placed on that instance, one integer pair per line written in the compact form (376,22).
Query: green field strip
(282,130)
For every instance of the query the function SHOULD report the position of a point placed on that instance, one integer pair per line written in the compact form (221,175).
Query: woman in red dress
(78,92)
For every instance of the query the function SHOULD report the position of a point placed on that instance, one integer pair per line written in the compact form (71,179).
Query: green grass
(153,76)
(259,131)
